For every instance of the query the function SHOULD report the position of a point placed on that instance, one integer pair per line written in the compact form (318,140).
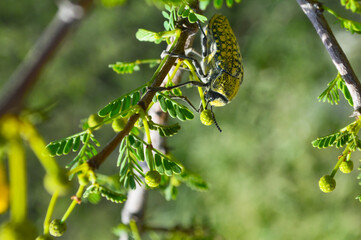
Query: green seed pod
(57,228)
(327,184)
(206,117)
(94,120)
(118,124)
(346,166)
(152,179)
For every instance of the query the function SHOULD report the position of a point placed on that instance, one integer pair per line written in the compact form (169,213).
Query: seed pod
(206,117)
(57,228)
(327,184)
(152,179)
(346,166)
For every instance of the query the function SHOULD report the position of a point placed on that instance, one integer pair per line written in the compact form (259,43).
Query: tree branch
(314,12)
(26,75)
(98,159)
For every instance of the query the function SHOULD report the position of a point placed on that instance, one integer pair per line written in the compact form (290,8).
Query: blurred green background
(262,169)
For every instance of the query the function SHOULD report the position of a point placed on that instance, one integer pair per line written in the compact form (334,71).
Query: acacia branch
(26,75)
(313,10)
(98,159)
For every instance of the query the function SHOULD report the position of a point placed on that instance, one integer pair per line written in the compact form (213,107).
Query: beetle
(221,68)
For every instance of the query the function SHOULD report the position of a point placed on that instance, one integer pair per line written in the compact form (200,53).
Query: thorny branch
(313,10)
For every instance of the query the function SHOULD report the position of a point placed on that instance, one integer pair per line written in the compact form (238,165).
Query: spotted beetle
(221,69)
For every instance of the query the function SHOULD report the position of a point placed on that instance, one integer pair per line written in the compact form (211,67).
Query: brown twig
(26,75)
(313,10)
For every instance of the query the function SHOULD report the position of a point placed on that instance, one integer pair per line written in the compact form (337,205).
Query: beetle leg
(195,62)
(192,51)
(192,83)
(184,98)
(204,41)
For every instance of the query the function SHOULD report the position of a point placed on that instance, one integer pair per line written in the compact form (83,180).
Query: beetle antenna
(215,121)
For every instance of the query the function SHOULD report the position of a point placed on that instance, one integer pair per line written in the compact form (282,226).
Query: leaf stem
(340,160)
(49,212)
(134,229)
(75,201)
(200,90)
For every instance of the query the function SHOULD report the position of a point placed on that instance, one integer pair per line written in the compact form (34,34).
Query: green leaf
(76,144)
(342,86)
(329,140)
(68,146)
(187,113)
(168,8)
(105,110)
(352,26)
(217,4)
(229,3)
(179,113)
(167,167)
(165,14)
(111,195)
(146,35)
(126,103)
(115,108)
(185,13)
(94,140)
(131,140)
(163,103)
(123,169)
(52,148)
(353,5)
(203,4)
(331,93)
(171,109)
(192,18)
(61,147)
(84,137)
(135,98)
(166,26)
(201,17)
(124,67)
(338,139)
(176,168)
(149,158)
(158,163)
(165,130)
(113,3)
(90,190)
(193,181)
(181,9)
(140,152)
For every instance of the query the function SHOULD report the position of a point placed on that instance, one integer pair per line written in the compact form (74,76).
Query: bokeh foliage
(262,168)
